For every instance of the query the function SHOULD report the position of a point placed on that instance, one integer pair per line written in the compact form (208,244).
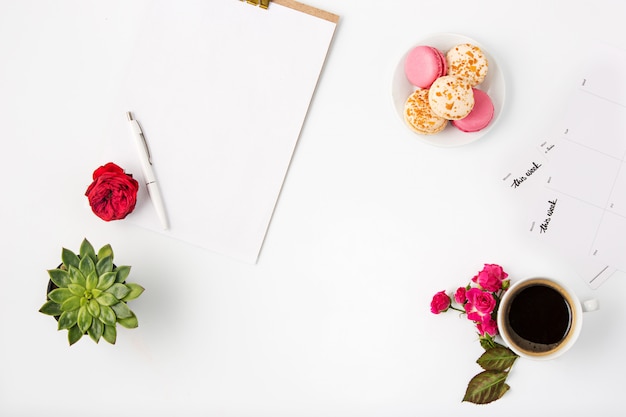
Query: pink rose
(440,303)
(459,295)
(488,326)
(479,304)
(491,277)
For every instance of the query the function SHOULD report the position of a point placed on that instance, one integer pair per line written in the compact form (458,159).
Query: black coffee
(539,314)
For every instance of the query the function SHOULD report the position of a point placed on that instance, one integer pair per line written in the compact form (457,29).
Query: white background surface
(334,320)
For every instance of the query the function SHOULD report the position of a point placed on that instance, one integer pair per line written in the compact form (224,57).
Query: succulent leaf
(69,258)
(107,299)
(105,251)
(119,290)
(71,303)
(122,311)
(106,280)
(87,266)
(59,295)
(94,308)
(60,277)
(135,291)
(87,250)
(76,276)
(130,322)
(122,273)
(68,319)
(91,281)
(110,334)
(74,334)
(84,319)
(50,308)
(96,330)
(107,316)
(77,290)
(104,265)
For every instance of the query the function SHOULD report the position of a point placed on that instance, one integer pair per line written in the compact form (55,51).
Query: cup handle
(590,305)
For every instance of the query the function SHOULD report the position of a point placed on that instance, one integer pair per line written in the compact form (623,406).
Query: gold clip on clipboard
(296,5)
(264,4)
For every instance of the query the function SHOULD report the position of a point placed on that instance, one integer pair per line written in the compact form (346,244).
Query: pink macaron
(480,116)
(423,65)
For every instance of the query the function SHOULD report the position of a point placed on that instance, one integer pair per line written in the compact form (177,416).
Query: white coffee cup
(540,318)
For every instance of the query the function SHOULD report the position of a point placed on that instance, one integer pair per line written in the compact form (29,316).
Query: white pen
(148,172)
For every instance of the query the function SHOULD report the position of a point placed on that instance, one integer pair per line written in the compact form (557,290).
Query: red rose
(113,193)
(440,303)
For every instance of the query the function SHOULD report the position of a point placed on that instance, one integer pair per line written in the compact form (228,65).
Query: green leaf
(59,295)
(76,276)
(122,273)
(68,319)
(110,334)
(107,316)
(84,319)
(119,290)
(122,311)
(60,277)
(69,258)
(87,250)
(96,330)
(72,303)
(486,387)
(104,265)
(87,266)
(77,290)
(106,280)
(91,281)
(107,299)
(105,251)
(497,359)
(50,308)
(135,291)
(74,334)
(94,308)
(130,322)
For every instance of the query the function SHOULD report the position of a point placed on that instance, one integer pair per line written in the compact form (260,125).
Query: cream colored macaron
(451,97)
(419,116)
(467,61)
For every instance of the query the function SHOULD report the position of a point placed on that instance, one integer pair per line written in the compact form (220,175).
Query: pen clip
(145,145)
(140,133)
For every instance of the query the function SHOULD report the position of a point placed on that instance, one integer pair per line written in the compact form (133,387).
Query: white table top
(334,319)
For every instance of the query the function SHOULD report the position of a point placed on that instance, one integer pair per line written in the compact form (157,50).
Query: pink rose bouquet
(479,301)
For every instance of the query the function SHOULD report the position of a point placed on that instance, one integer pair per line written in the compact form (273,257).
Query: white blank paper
(221,90)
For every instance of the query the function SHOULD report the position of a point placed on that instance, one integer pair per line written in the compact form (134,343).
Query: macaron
(467,61)
(451,97)
(419,116)
(423,65)
(480,116)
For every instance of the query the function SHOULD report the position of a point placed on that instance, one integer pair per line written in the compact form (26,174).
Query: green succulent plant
(89,294)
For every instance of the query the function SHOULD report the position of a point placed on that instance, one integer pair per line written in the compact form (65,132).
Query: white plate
(493,85)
